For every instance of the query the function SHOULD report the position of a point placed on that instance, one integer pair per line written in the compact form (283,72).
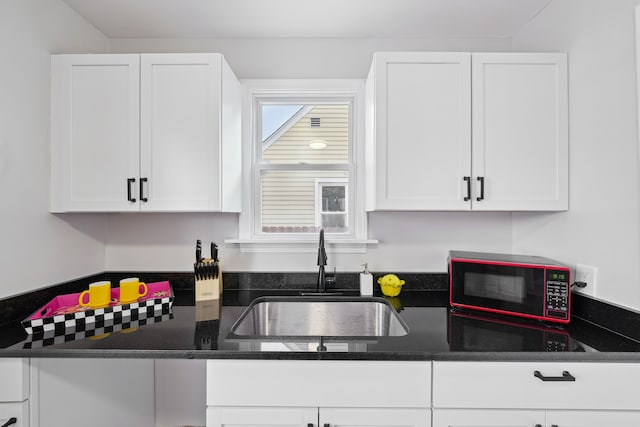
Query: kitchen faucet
(323,279)
(321,286)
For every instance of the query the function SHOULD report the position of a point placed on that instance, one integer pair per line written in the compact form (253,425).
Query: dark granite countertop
(435,333)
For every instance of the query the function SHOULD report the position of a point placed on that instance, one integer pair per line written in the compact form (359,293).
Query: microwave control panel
(557,294)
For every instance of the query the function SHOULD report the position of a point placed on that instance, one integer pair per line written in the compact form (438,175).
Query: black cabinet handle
(538,425)
(142,198)
(566,376)
(10,422)
(310,425)
(554,425)
(481,179)
(129,182)
(327,425)
(468,180)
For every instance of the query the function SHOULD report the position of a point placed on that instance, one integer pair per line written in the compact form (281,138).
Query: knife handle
(214,252)
(198,250)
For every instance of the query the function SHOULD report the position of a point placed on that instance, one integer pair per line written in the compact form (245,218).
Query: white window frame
(250,238)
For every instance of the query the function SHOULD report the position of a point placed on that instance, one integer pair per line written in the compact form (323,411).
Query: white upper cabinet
(461,131)
(95,132)
(520,131)
(418,131)
(150,132)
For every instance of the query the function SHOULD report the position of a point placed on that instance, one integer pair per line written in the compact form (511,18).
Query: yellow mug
(99,295)
(131,289)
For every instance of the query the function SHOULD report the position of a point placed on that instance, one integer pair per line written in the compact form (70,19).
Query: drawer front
(17,410)
(236,416)
(593,418)
(15,380)
(319,383)
(487,418)
(515,385)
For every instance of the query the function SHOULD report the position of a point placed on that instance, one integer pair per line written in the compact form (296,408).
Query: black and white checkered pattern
(70,335)
(100,319)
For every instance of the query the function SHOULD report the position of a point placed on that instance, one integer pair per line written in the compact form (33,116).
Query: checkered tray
(64,316)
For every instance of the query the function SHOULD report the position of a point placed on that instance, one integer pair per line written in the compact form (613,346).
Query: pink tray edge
(67,300)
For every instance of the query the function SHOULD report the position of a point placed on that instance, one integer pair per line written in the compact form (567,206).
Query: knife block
(208,280)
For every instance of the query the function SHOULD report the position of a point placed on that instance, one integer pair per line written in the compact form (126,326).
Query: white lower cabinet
(487,418)
(314,417)
(535,394)
(593,418)
(14,414)
(363,417)
(318,393)
(525,418)
(92,392)
(14,392)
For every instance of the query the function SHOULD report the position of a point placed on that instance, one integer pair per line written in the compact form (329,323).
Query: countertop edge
(610,357)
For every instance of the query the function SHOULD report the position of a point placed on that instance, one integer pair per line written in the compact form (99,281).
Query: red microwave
(525,286)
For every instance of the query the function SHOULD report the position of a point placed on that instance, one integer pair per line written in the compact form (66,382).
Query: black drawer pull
(566,376)
(10,422)
(310,425)
(554,425)
(481,179)
(538,425)
(142,198)
(327,425)
(468,181)
(129,182)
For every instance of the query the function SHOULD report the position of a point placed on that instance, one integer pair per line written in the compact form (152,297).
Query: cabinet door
(369,417)
(180,128)
(238,416)
(92,392)
(94,132)
(592,419)
(418,142)
(15,380)
(17,410)
(520,131)
(487,418)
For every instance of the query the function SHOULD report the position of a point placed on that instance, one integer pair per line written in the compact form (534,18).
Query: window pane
(334,223)
(299,134)
(333,198)
(292,203)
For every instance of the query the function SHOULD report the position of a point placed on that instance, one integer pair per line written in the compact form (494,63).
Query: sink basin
(319,316)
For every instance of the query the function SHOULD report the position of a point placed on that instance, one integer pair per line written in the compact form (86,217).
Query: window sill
(302,245)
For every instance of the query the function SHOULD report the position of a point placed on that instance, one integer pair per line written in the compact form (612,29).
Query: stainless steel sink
(319,316)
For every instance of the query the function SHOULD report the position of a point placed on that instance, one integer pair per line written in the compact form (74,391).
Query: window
(303,141)
(299,147)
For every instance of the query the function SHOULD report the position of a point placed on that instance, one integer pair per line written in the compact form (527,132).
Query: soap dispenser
(366,281)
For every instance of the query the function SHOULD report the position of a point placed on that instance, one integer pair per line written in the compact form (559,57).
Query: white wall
(408,241)
(38,249)
(308,58)
(601,227)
